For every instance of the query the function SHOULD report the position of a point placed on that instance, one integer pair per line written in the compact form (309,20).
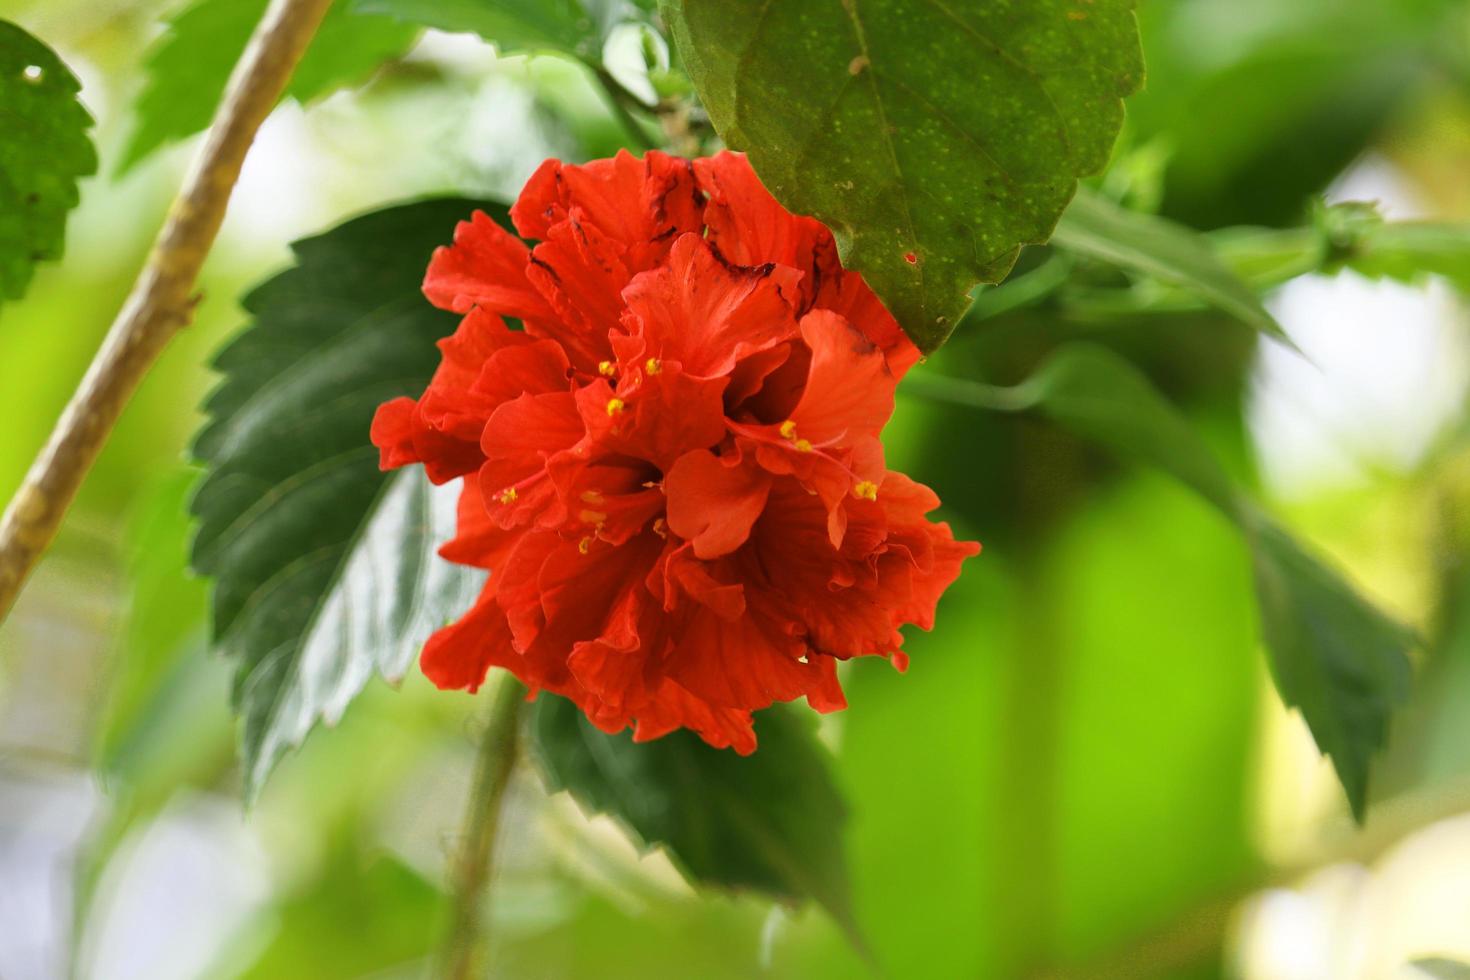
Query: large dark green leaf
(933,137)
(44,149)
(1162,250)
(1333,654)
(323,567)
(772,821)
(188,69)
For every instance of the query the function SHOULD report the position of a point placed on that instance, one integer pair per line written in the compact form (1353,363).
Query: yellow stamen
(508,495)
(802,446)
(591,497)
(653,365)
(866,490)
(591,517)
(661,528)
(788,429)
(606,369)
(584,545)
(614,406)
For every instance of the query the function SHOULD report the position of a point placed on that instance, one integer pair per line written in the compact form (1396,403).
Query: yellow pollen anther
(508,495)
(614,406)
(584,545)
(788,429)
(591,497)
(661,528)
(653,365)
(592,517)
(606,369)
(802,446)
(866,490)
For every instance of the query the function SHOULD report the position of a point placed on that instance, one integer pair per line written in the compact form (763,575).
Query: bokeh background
(1085,773)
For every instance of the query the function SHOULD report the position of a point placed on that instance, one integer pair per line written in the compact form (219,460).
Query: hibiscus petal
(486,266)
(706,314)
(695,579)
(457,657)
(674,708)
(403,437)
(713,504)
(642,204)
(535,368)
(654,417)
(478,541)
(849,388)
(749,226)
(581,274)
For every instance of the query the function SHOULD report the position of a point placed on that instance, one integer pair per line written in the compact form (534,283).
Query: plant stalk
(465,953)
(162,300)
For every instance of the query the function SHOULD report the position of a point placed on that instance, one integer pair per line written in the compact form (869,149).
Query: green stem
(466,946)
(971,394)
(619,99)
(1026,289)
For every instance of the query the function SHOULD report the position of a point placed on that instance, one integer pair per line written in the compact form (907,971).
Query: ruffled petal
(641,204)
(714,504)
(708,315)
(458,657)
(486,266)
(849,387)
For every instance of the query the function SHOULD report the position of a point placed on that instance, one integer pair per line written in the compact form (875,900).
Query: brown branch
(162,300)
(465,949)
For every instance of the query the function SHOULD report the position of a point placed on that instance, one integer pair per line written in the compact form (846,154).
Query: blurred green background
(1085,772)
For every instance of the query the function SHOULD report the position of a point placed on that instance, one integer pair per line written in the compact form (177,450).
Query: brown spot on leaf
(857,64)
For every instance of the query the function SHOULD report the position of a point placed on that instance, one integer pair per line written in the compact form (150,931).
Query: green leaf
(565,26)
(1333,655)
(1163,250)
(772,821)
(933,138)
(44,150)
(323,567)
(190,66)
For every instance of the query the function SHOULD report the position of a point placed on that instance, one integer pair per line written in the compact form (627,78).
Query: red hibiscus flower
(673,471)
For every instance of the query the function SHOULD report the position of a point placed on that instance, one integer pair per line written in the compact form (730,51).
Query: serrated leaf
(323,567)
(1333,654)
(44,150)
(1163,250)
(934,138)
(772,821)
(188,69)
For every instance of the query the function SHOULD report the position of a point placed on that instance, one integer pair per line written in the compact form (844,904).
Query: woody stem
(162,300)
(466,945)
